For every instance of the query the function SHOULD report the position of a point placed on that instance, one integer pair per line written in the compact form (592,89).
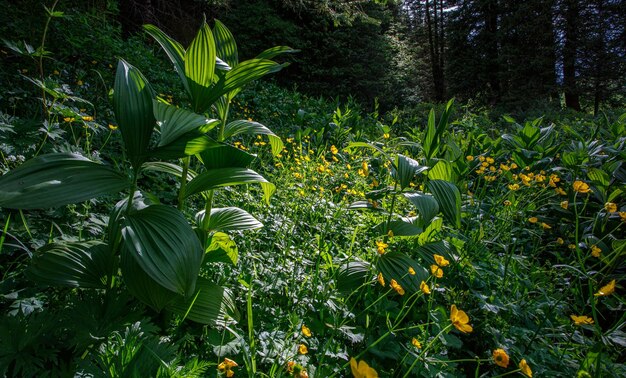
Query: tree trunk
(572,97)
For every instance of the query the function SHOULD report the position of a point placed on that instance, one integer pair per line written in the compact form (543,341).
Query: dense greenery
(169,211)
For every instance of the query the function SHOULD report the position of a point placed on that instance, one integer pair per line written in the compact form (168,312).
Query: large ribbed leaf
(142,286)
(395,265)
(58,179)
(407,168)
(169,168)
(275,51)
(432,139)
(210,304)
(225,156)
(449,199)
(221,249)
(78,264)
(351,275)
(248,71)
(216,178)
(165,246)
(228,219)
(398,227)
(431,231)
(174,122)
(189,144)
(442,170)
(426,205)
(173,49)
(251,127)
(132,103)
(439,247)
(200,68)
(225,44)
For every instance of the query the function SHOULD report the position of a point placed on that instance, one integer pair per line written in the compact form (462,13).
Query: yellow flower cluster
(226,367)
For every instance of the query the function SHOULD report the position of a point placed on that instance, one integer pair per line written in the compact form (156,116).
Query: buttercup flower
(622,215)
(605,290)
(381,280)
(306,331)
(334,150)
(396,286)
(469,158)
(381,246)
(560,241)
(112,127)
(441,261)
(581,187)
(560,191)
(362,369)
(523,365)
(302,349)
(545,226)
(533,219)
(500,357)
(507,203)
(565,204)
(416,343)
(424,288)
(436,271)
(87,118)
(610,207)
(226,367)
(595,251)
(411,271)
(460,319)
(582,319)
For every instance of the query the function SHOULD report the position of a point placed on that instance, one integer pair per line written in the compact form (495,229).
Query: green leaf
(78,264)
(173,49)
(169,168)
(433,228)
(449,199)
(200,68)
(407,169)
(440,247)
(210,304)
(175,122)
(225,44)
(225,156)
(246,72)
(426,205)
(58,179)
(229,219)
(598,177)
(275,51)
(358,205)
(442,170)
(352,275)
(254,128)
(132,104)
(165,246)
(141,285)
(189,144)
(221,249)
(398,227)
(216,178)
(395,265)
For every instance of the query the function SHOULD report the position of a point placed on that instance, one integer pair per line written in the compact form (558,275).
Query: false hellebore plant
(158,253)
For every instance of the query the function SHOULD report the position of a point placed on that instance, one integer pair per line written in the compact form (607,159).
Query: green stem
(183,183)
(41,49)
(408,372)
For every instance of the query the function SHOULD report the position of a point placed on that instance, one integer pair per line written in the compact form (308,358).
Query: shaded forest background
(508,54)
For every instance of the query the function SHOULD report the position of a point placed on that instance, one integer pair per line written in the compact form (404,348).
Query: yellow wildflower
(500,358)
(302,349)
(565,204)
(504,167)
(226,367)
(79,82)
(605,290)
(460,319)
(469,158)
(610,207)
(424,288)
(362,369)
(87,118)
(416,343)
(481,158)
(560,191)
(411,271)
(595,251)
(525,369)
(306,331)
(581,320)
(533,219)
(381,246)
(513,187)
(545,226)
(581,187)
(386,135)
(513,166)
(507,203)
(334,150)
(441,261)
(396,286)
(560,241)
(571,246)
(436,271)
(381,279)
(68,119)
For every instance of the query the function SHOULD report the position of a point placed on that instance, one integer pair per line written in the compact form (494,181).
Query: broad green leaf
(351,275)
(430,143)
(225,44)
(440,247)
(598,176)
(189,144)
(173,49)
(275,51)
(132,104)
(426,205)
(407,169)
(210,304)
(169,168)
(246,72)
(175,122)
(141,285)
(398,227)
(58,179)
(433,228)
(140,201)
(442,170)
(254,128)
(228,219)
(165,246)
(225,156)
(358,205)
(221,249)
(200,68)
(216,178)
(78,264)
(449,199)
(395,265)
